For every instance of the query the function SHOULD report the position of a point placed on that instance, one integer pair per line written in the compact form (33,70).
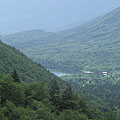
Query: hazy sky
(18,15)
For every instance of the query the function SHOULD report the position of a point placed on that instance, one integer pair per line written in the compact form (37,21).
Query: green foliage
(106,89)
(20,101)
(68,100)
(55,93)
(37,91)
(9,90)
(13,60)
(72,115)
(17,113)
(15,76)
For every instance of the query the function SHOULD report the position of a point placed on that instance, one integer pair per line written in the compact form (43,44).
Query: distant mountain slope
(26,38)
(12,59)
(92,46)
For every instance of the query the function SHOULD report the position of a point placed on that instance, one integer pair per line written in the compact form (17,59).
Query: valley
(60,74)
(92,46)
(64,75)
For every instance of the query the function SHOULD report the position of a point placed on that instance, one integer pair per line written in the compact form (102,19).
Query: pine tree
(15,76)
(55,93)
(67,94)
(68,101)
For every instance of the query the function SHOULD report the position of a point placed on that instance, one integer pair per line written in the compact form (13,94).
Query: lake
(59,74)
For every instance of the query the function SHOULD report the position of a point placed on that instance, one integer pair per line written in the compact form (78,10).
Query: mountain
(28,71)
(92,46)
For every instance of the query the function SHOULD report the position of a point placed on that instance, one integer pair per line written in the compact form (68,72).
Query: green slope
(12,59)
(92,46)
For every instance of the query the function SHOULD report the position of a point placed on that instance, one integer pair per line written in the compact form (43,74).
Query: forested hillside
(12,59)
(92,46)
(35,101)
(105,87)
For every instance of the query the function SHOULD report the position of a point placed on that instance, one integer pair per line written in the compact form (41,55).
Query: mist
(50,15)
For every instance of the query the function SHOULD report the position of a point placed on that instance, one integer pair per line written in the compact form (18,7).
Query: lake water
(59,74)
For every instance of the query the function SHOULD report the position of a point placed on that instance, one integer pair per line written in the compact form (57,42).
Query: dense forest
(35,101)
(104,87)
(12,59)
(49,97)
(92,46)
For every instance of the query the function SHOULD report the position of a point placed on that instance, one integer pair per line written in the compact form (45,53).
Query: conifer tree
(67,94)
(55,93)
(15,76)
(68,101)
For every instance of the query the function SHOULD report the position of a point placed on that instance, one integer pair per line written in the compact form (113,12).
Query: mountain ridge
(91,46)
(28,71)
